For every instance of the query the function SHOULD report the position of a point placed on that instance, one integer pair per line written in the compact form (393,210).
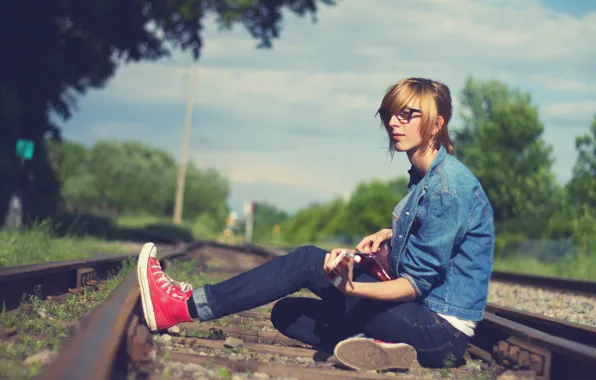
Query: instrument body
(375,263)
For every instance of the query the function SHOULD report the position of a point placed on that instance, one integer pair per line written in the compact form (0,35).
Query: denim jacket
(443,239)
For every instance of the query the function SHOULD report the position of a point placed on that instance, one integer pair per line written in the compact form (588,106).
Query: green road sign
(25,149)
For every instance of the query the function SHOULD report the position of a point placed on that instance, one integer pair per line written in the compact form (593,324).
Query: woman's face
(404,127)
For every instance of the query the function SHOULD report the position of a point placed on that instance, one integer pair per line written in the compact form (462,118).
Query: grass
(579,266)
(38,244)
(186,271)
(43,324)
(199,229)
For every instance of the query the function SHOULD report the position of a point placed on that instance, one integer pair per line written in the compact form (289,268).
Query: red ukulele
(375,263)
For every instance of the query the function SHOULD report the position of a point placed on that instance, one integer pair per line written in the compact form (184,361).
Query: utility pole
(249,211)
(185,141)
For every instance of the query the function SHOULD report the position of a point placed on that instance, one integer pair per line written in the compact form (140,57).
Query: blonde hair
(435,101)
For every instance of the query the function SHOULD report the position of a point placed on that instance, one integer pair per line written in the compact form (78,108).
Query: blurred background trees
(501,142)
(56,50)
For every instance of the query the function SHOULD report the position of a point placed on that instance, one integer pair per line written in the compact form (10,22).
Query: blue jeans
(324,322)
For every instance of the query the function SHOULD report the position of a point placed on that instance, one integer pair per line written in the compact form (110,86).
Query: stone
(43,357)
(233,342)
(517,375)
(260,375)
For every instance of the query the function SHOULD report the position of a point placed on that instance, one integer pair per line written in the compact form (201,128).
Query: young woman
(439,261)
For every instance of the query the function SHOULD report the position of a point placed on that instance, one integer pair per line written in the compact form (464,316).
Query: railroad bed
(112,342)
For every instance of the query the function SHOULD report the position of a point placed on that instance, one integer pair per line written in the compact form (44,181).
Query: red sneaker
(367,354)
(164,300)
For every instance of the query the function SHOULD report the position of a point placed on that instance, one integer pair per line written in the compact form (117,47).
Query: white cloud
(570,109)
(505,31)
(110,130)
(556,83)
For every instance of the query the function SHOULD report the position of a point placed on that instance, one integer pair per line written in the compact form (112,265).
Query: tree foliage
(367,210)
(316,222)
(59,49)
(582,187)
(266,217)
(370,205)
(501,142)
(130,178)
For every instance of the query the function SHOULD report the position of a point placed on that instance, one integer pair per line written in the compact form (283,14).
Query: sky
(296,124)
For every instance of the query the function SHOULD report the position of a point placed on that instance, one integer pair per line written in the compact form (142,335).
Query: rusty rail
(54,278)
(111,337)
(562,283)
(557,327)
(92,352)
(516,345)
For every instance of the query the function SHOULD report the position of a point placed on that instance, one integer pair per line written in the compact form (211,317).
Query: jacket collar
(438,160)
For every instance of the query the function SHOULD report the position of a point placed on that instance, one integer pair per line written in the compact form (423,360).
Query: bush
(505,244)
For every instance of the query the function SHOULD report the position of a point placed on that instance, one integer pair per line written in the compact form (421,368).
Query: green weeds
(43,324)
(39,244)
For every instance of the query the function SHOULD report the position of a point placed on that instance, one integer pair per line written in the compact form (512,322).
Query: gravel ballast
(572,307)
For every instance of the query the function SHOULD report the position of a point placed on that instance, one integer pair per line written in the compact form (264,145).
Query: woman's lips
(397,136)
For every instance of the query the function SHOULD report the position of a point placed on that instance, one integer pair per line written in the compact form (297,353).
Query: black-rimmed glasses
(404,115)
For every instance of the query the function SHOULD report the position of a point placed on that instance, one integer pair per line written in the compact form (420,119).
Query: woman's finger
(329,258)
(377,243)
(364,244)
(326,261)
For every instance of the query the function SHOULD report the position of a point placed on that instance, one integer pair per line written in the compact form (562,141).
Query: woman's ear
(439,124)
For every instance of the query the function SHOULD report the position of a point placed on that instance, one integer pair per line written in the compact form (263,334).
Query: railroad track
(113,342)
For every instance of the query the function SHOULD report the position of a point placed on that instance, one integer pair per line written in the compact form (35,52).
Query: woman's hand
(344,269)
(371,243)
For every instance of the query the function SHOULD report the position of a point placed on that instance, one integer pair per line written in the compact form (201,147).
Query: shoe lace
(168,282)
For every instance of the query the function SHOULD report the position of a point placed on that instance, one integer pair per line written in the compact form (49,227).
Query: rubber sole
(144,285)
(366,354)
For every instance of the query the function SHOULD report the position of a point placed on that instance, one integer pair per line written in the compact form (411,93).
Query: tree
(501,142)
(71,163)
(204,192)
(312,223)
(59,49)
(266,217)
(582,187)
(370,205)
(579,217)
(130,178)
(367,211)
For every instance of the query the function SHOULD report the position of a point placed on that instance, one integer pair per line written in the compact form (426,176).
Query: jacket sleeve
(431,246)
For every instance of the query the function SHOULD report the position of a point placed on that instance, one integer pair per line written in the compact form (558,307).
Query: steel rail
(54,278)
(91,352)
(559,357)
(561,283)
(558,327)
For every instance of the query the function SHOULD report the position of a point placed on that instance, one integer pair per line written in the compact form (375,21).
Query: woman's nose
(394,122)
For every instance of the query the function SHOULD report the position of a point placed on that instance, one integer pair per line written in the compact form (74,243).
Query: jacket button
(399,237)
(407,213)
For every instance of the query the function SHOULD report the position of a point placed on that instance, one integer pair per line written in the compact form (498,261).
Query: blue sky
(295,124)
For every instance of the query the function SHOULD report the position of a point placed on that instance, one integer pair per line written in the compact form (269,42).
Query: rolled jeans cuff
(204,311)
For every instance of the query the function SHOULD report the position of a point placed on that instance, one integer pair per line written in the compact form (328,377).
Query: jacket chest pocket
(404,219)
